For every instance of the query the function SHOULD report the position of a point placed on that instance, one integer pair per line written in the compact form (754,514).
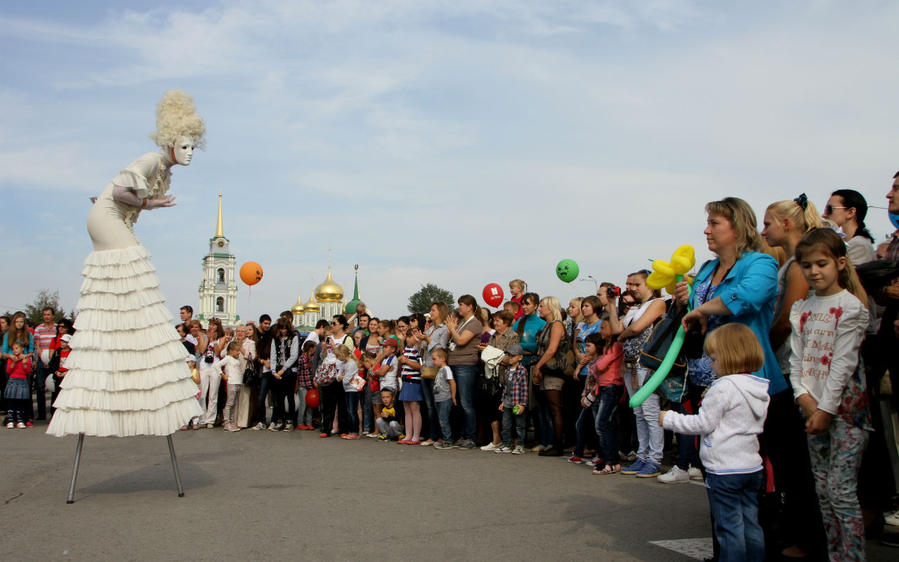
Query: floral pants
(836,456)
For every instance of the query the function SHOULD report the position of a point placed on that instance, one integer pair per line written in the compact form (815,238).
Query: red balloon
(312,398)
(493,294)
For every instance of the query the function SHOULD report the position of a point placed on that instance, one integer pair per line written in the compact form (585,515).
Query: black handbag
(656,348)
(250,374)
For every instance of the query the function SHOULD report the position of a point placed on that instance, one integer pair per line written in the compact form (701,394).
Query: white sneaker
(674,476)
(10,425)
(491,447)
(21,425)
(891,518)
(518,450)
(258,426)
(695,473)
(502,449)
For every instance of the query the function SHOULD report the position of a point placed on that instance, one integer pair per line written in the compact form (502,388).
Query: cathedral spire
(219,231)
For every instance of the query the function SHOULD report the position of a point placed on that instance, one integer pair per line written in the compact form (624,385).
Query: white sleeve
(703,423)
(796,351)
(848,340)
(134,177)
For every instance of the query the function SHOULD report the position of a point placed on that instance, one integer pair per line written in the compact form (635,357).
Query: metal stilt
(175,467)
(71,498)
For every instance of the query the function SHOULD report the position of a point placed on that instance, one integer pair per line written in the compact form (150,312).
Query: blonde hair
(580,316)
(742,218)
(342,352)
(804,219)
(736,349)
(520,284)
(175,118)
(555,308)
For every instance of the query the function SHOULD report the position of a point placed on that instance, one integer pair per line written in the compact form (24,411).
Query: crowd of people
(781,390)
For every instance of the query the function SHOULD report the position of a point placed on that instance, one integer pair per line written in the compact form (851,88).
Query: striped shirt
(410,374)
(46,335)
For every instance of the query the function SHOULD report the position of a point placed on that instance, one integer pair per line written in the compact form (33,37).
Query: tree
(44,299)
(421,301)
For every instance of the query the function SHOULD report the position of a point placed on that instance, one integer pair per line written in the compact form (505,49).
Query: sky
(457,143)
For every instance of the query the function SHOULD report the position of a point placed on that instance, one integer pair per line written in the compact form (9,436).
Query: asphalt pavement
(292,496)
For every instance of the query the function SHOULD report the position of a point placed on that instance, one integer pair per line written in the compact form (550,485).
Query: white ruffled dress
(127,373)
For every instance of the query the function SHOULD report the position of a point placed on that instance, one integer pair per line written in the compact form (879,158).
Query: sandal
(607,469)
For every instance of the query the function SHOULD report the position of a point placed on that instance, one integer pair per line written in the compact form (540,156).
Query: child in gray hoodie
(729,421)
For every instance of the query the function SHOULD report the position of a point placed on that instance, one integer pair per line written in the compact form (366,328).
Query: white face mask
(183,150)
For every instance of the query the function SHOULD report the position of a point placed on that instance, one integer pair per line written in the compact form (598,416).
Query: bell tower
(218,289)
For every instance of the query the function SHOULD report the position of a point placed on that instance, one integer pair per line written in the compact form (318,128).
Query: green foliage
(44,299)
(421,301)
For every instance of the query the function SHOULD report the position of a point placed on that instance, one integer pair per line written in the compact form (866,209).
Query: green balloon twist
(656,379)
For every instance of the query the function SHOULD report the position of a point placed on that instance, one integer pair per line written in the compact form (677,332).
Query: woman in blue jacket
(739,285)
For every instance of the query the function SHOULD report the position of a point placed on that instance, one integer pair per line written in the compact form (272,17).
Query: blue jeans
(606,406)
(430,414)
(443,413)
(465,376)
(304,412)
(510,419)
(733,500)
(352,403)
(650,435)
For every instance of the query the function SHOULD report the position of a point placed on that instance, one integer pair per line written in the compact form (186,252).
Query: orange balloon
(251,273)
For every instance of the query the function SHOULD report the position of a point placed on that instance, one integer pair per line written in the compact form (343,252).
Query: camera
(613,292)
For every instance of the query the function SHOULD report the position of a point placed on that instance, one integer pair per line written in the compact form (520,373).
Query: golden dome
(329,291)
(298,307)
(312,306)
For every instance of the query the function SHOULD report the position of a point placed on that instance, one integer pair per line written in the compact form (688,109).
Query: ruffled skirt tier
(127,373)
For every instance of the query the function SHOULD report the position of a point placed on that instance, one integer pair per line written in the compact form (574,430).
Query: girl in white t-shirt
(829,388)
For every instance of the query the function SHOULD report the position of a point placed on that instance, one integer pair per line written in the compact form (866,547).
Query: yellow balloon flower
(667,274)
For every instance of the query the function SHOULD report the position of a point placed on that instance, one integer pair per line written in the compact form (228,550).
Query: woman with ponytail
(785,224)
(847,209)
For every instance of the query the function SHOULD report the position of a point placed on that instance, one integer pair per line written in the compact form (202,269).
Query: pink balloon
(493,295)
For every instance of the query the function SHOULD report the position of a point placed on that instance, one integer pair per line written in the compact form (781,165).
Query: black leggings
(554,401)
(329,395)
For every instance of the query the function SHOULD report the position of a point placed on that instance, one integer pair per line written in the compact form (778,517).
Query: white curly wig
(176,117)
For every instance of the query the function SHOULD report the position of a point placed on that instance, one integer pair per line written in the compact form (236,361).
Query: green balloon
(567,270)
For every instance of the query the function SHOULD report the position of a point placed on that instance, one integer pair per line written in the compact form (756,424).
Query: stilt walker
(127,373)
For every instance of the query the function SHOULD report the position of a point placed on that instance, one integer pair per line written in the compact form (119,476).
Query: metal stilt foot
(175,467)
(71,498)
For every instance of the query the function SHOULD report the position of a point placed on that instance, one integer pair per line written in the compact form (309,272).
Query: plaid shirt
(304,371)
(515,390)
(892,252)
